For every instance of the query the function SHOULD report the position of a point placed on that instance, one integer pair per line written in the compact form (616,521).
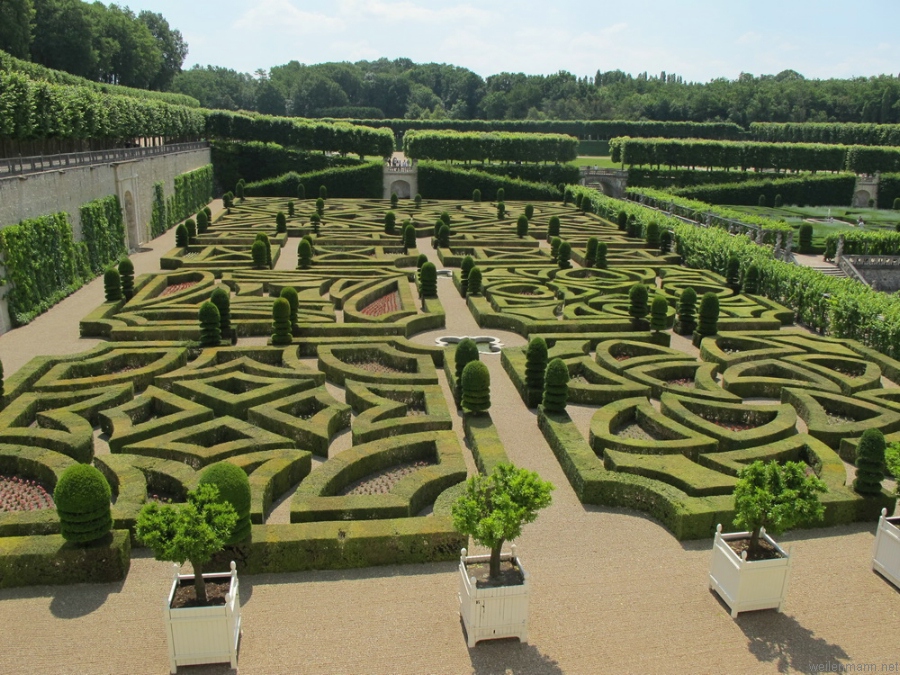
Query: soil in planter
(216,594)
(510,575)
(765,551)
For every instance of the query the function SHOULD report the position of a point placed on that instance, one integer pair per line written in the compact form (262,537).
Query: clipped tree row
(865,242)
(443,181)
(493,146)
(841,133)
(807,190)
(364,181)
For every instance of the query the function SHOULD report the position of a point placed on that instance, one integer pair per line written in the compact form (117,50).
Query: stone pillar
(839,252)
(789,246)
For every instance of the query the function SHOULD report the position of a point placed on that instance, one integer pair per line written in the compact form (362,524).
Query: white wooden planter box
(886,553)
(204,634)
(489,613)
(748,585)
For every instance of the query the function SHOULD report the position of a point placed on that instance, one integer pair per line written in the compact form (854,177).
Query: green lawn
(602,162)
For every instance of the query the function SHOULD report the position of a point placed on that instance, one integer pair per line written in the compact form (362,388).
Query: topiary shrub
(429,280)
(896,203)
(112,285)
(564,256)
(304,254)
(301,192)
(659,309)
(418,200)
(501,210)
(501,194)
(320,207)
(622,220)
(239,189)
(82,497)
(751,279)
(421,260)
(476,388)
(258,253)
(556,387)
(733,273)
(390,222)
(281,322)
(264,238)
(234,488)
(652,234)
(634,228)
(761,201)
(323,192)
(779,201)
(529,211)
(409,237)
(221,298)
(290,209)
(555,243)
(202,222)
(476,195)
(687,312)
(126,275)
(445,217)
(466,352)
(579,198)
(869,463)
(464,268)
(228,201)
(590,252)
(208,212)
(601,255)
(474,286)
(709,315)
(535,363)
(280,223)
(394,200)
(806,237)
(289,293)
(210,325)
(522,226)
(181,236)
(587,206)
(191,227)
(443,236)
(568,195)
(552,228)
(638,309)
(665,241)
(315,220)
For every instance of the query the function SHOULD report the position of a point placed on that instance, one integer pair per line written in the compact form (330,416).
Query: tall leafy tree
(16,21)
(64,37)
(171,45)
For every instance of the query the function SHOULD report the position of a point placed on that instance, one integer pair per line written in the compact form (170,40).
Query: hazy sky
(697,39)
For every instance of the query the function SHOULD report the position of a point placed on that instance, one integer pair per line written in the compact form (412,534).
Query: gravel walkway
(613,591)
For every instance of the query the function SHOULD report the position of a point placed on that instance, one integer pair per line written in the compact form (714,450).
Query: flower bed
(21,494)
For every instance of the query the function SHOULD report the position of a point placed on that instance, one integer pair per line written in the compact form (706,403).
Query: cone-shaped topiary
(221,298)
(622,220)
(659,308)
(323,192)
(602,248)
(445,217)
(555,243)
(239,189)
(112,285)
(418,200)
(652,234)
(202,222)
(210,325)
(751,279)
(82,497)
(687,312)
(806,237)
(320,206)
(228,201)
(394,200)
(709,315)
(476,195)
(421,260)
(464,268)
(529,211)
(869,463)
(289,293)
(409,237)
(429,280)
(280,223)
(638,296)
(501,210)
(474,285)
(665,241)
(564,256)
(466,352)
(304,254)
(301,191)
(390,221)
(258,252)
(552,228)
(590,252)
(476,388)
(181,236)
(281,322)
(535,363)
(733,273)
(264,238)
(234,488)
(501,194)
(191,227)
(556,387)
(290,209)
(126,274)
(443,236)
(522,226)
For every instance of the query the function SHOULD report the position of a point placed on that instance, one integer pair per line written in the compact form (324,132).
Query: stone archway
(861,198)
(133,238)
(401,188)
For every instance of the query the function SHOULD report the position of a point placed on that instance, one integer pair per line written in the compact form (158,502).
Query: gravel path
(613,591)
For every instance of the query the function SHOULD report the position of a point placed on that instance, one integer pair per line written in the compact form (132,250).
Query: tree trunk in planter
(494,612)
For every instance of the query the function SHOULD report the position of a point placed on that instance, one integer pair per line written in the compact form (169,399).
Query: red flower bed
(383,305)
(21,494)
(174,288)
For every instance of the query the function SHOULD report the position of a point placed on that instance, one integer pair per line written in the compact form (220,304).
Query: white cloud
(406,11)
(283,16)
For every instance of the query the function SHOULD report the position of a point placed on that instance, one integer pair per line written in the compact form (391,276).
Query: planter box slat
(490,613)
(886,552)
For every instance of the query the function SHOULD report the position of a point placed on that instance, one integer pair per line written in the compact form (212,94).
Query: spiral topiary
(280,223)
(709,315)
(869,463)
(221,298)
(390,221)
(445,217)
(590,252)
(733,273)
(751,279)
(474,285)
(501,210)
(579,198)
(304,254)
(529,211)
(258,253)
(320,207)
(602,248)
(587,206)
(234,488)
(181,236)
(289,293)
(659,310)
(568,195)
(126,275)
(466,352)
(476,388)
(443,236)
(535,363)
(421,260)
(552,228)
(82,497)
(555,243)
(564,256)
(323,192)
(687,312)
(281,322)
(202,222)
(634,229)
(112,285)
(429,280)
(315,220)
(290,209)
(637,297)
(210,325)
(652,234)
(191,227)
(464,268)
(556,387)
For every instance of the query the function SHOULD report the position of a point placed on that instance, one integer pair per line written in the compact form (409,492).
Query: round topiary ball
(82,498)
(234,488)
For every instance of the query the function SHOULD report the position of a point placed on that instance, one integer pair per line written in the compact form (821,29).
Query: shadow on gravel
(779,639)
(74,602)
(510,657)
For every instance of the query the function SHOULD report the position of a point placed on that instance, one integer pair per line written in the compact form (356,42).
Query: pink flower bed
(22,494)
(383,305)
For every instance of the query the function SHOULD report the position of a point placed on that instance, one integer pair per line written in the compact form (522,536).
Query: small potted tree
(493,602)
(886,551)
(201,627)
(748,569)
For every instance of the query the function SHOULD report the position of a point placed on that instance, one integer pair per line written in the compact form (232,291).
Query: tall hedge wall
(493,146)
(363,181)
(103,232)
(810,190)
(663,178)
(443,181)
(830,132)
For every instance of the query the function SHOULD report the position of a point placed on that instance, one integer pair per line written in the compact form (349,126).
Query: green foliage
(761,201)
(181,236)
(364,180)
(409,237)
(466,352)
(464,268)
(239,190)
(320,206)
(869,463)
(103,232)
(195,530)
(474,285)
(394,200)
(304,255)
(779,201)
(709,315)
(637,297)
(221,298)
(590,252)
(158,219)
(429,280)
(621,219)
(301,191)
(291,209)
(522,226)
(418,200)
(564,256)
(501,194)
(112,285)
(494,508)
(552,227)
(280,223)
(501,210)
(536,363)
(751,280)
(555,243)
(501,147)
(447,181)
(665,241)
(281,322)
(476,195)
(806,236)
(191,227)
(390,221)
(777,497)
(445,217)
(633,229)
(323,194)
(476,388)
(82,497)
(896,203)
(193,190)
(733,273)
(210,325)
(579,198)
(289,293)
(202,222)
(421,260)
(556,387)
(234,489)
(652,234)
(601,255)
(658,311)
(443,236)
(687,311)
(806,189)
(264,238)
(529,211)
(228,200)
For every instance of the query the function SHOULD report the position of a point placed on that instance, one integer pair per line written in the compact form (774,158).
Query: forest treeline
(112,44)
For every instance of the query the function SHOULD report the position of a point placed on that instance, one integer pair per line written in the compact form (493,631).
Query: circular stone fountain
(487,344)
